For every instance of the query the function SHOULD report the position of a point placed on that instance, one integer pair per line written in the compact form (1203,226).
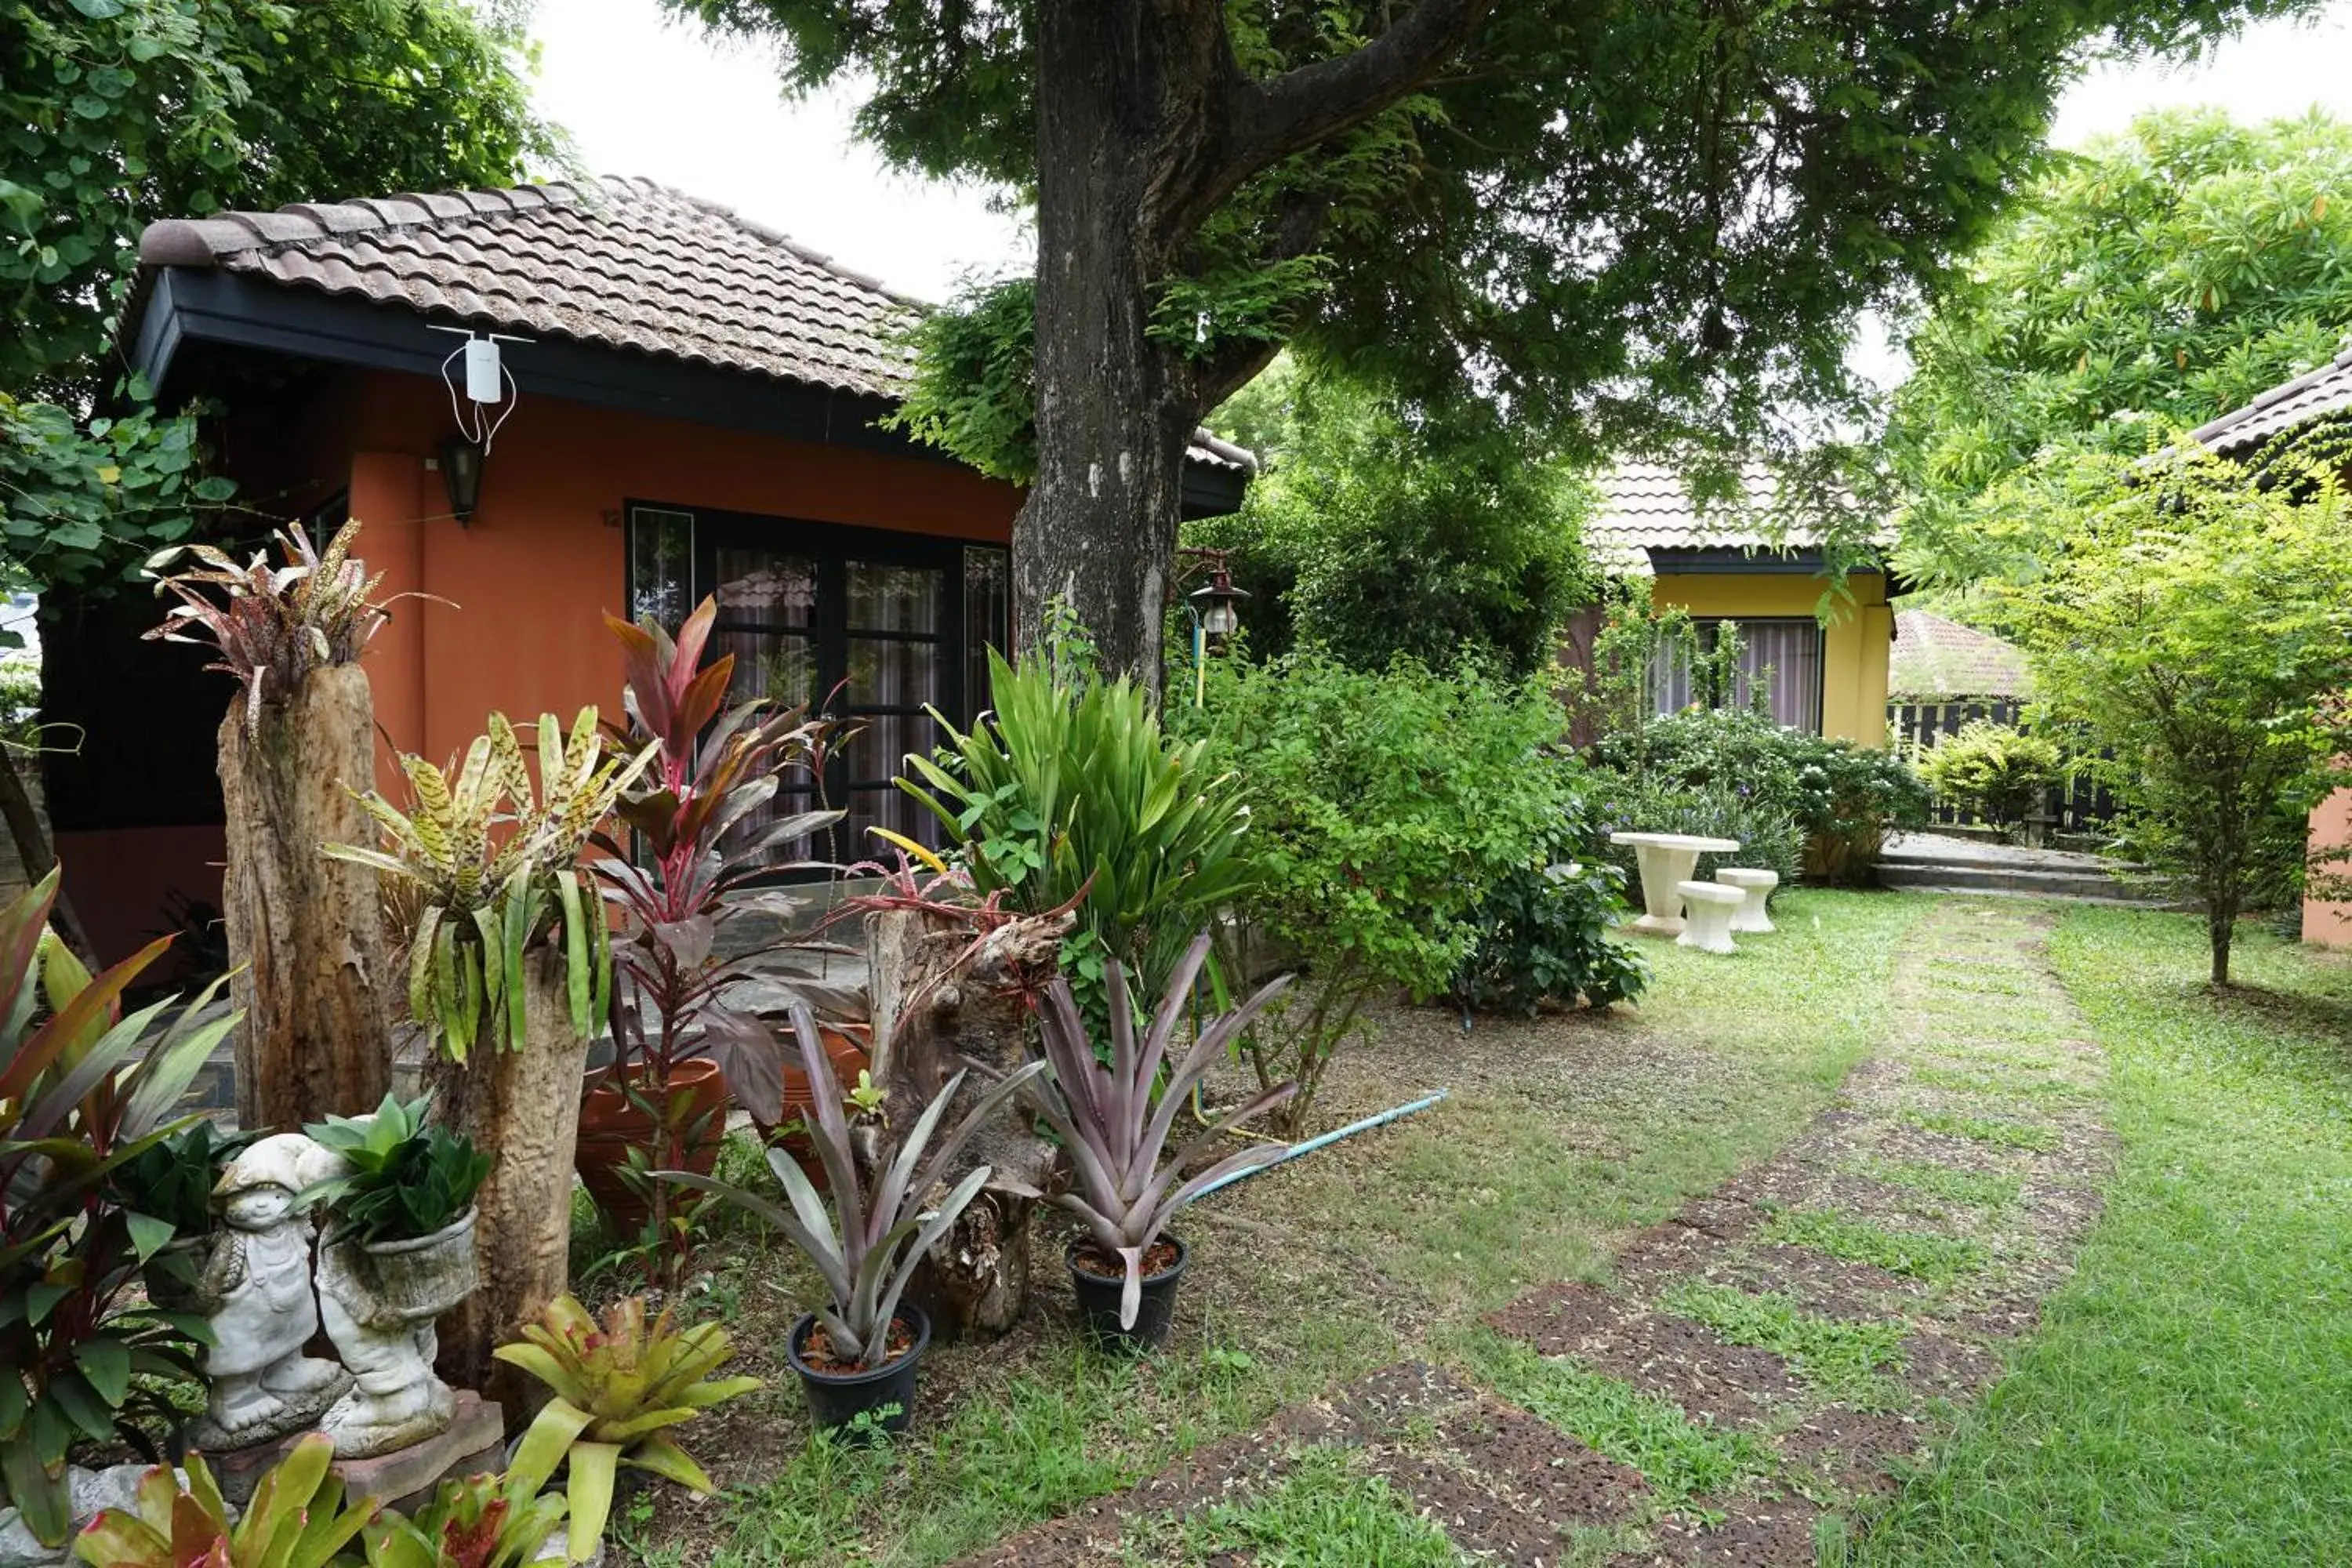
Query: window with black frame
(1782,654)
(873,627)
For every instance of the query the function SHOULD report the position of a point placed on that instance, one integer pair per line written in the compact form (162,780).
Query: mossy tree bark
(522,1107)
(939,1004)
(307,931)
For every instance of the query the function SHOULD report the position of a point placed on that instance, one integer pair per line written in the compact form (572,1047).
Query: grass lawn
(1564,1136)
(2188,1399)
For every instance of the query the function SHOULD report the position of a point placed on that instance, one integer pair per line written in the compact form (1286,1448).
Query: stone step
(2087,885)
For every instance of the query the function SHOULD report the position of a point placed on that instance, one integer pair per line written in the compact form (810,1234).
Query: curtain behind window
(1791,650)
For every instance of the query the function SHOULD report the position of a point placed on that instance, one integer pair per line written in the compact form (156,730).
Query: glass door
(895,664)
(767,619)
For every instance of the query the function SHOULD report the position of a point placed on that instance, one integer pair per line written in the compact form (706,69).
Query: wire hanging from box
(489,385)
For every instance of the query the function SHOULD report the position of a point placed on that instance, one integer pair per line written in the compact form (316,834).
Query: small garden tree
(2196,626)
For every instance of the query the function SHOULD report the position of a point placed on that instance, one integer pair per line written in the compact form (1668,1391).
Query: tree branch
(1274,119)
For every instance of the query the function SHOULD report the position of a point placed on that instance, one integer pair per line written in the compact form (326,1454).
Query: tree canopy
(116,113)
(2199,627)
(1627,225)
(1376,529)
(2168,274)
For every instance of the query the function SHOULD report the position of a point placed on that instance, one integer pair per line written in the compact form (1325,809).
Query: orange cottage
(690,407)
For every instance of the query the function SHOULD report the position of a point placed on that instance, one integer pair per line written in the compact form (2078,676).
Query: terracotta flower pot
(611,1122)
(846,1048)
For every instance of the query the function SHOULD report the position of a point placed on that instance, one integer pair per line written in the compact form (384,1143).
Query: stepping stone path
(1804,1330)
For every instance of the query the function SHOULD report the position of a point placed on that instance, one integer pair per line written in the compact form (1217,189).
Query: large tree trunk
(307,931)
(522,1107)
(938,1005)
(40,858)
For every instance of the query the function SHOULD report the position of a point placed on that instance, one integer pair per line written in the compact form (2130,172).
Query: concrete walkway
(1943,863)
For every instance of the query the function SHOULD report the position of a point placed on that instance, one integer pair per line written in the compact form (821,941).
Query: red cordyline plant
(1117,1130)
(271,625)
(705,846)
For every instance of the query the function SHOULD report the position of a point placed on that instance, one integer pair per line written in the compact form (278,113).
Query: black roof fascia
(187,306)
(1690,560)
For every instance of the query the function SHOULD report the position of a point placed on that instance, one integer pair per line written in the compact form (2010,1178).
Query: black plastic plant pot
(1098,1302)
(886,1393)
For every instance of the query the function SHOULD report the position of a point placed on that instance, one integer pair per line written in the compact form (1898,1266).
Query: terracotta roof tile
(2313,396)
(1647,505)
(1934,656)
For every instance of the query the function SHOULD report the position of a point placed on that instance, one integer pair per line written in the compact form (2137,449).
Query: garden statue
(380,1300)
(255,1294)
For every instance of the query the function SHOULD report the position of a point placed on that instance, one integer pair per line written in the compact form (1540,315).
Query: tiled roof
(631,264)
(2322,392)
(1938,657)
(1647,505)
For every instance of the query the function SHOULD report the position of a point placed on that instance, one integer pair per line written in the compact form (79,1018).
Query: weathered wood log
(307,931)
(939,1004)
(522,1107)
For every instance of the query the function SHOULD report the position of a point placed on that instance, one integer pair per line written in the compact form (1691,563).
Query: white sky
(644,95)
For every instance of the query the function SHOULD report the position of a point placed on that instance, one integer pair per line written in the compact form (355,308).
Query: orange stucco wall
(542,561)
(2330,924)
(528,581)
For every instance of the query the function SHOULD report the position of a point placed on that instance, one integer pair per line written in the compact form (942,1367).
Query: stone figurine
(256,1292)
(379,1302)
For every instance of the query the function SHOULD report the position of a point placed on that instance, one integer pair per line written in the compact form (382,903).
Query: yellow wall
(1855,645)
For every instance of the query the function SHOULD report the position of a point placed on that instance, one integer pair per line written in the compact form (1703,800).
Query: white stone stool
(1756,886)
(1707,907)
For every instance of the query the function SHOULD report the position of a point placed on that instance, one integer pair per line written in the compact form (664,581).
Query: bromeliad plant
(476,1521)
(407,1178)
(868,1246)
(297,1519)
(623,1386)
(488,866)
(83,1094)
(1116,1127)
(271,625)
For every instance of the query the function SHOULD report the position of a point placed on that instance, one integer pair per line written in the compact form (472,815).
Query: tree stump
(939,1003)
(522,1107)
(307,931)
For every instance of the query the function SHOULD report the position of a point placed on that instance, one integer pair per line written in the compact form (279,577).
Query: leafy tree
(1377,530)
(116,113)
(2172,272)
(2199,627)
(1634,224)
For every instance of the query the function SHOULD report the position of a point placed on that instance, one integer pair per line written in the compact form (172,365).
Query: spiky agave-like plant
(867,1246)
(481,899)
(1117,1130)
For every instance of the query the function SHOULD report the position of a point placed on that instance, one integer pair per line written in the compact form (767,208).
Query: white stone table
(1666,861)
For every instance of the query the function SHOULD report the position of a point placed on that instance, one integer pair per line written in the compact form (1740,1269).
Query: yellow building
(1828,652)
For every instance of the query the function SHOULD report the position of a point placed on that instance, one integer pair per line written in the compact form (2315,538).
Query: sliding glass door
(871,627)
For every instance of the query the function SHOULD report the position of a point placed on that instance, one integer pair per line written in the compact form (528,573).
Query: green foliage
(2199,630)
(1798,803)
(1844,1359)
(975,388)
(2172,272)
(1383,807)
(297,1517)
(172,1179)
(84,1092)
(1069,790)
(1544,938)
(1913,1253)
(473,1521)
(1377,530)
(1533,217)
(1994,772)
(407,1179)
(116,112)
(473,902)
(622,1385)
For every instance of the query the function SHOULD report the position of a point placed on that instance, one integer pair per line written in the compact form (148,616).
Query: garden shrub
(1800,804)
(1544,939)
(1993,772)
(1385,807)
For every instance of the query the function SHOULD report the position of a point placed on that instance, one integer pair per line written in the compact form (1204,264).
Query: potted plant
(1125,1269)
(398,1251)
(623,1386)
(706,838)
(857,1354)
(171,1181)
